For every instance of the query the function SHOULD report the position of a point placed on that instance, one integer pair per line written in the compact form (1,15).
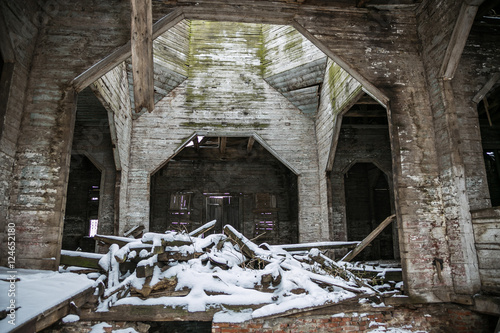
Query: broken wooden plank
(178,256)
(368,239)
(317,245)
(142,55)
(80,259)
(109,239)
(249,249)
(204,228)
(154,312)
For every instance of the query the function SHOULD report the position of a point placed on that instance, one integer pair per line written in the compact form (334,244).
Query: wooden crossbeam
(122,53)
(486,88)
(142,55)
(458,39)
(368,239)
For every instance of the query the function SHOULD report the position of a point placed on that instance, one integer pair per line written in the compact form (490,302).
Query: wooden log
(368,239)
(144,270)
(109,239)
(172,255)
(142,54)
(318,245)
(80,259)
(204,228)
(248,248)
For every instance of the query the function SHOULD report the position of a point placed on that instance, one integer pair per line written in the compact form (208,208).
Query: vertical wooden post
(142,54)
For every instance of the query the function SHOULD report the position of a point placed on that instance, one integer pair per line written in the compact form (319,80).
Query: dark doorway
(225,209)
(234,180)
(82,205)
(489,119)
(368,203)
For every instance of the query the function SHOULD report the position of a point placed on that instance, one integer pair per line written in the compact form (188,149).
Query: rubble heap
(223,273)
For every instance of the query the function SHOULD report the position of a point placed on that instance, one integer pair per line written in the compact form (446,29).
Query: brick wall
(445,318)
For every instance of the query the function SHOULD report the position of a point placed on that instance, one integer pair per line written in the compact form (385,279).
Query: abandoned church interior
(367,129)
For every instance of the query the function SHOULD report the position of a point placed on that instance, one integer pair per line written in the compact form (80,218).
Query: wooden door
(225,209)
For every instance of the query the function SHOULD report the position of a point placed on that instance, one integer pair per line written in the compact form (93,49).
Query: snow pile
(223,272)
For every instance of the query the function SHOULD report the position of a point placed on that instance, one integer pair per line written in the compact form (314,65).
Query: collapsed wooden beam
(204,228)
(317,245)
(80,259)
(142,55)
(368,239)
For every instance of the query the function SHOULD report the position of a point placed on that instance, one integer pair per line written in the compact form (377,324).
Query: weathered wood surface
(109,239)
(55,313)
(123,52)
(486,224)
(80,259)
(458,40)
(365,242)
(142,54)
(318,245)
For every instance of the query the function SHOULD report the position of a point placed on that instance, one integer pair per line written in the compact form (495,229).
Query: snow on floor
(36,291)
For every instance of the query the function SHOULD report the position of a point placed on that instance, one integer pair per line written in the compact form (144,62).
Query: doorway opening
(368,203)
(489,120)
(82,205)
(234,180)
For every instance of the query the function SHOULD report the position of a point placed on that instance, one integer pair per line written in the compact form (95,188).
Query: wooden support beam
(142,55)
(251,141)
(80,259)
(369,87)
(457,42)
(123,52)
(223,143)
(318,245)
(486,88)
(365,242)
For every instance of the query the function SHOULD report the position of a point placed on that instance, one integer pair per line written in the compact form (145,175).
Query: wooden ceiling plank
(142,54)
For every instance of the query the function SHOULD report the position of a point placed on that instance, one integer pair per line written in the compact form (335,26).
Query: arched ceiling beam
(118,56)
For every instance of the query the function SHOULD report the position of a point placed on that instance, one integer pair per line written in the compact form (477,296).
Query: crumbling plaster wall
(66,45)
(458,147)
(225,94)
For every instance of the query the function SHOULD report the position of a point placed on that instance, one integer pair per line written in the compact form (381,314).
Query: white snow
(71,318)
(38,291)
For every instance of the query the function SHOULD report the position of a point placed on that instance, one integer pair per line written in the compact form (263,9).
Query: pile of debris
(223,273)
